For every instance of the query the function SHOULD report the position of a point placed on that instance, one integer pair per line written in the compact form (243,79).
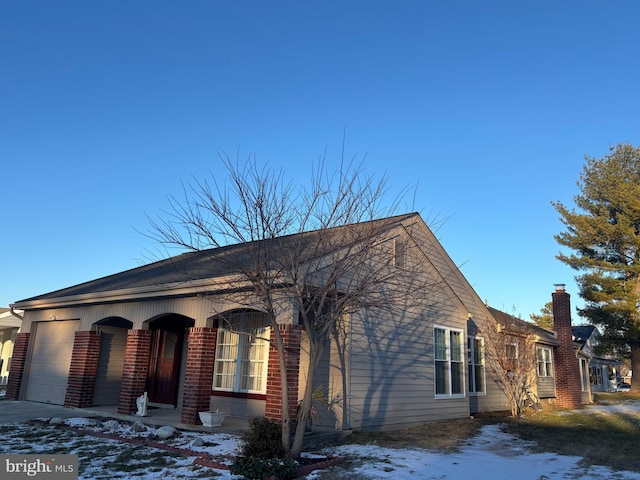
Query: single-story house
(174,329)
(9,328)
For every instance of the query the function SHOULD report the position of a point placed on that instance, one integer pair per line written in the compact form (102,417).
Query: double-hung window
(449,362)
(242,352)
(475,350)
(545,363)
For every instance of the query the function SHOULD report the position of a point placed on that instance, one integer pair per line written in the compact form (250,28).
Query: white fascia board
(190,288)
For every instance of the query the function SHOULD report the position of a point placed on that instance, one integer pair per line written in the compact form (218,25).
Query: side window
(449,362)
(475,348)
(545,364)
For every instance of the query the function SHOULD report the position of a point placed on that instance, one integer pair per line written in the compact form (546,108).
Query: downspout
(15,314)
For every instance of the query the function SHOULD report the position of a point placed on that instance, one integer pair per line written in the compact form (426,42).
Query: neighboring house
(605,372)
(543,362)
(173,329)
(564,357)
(9,328)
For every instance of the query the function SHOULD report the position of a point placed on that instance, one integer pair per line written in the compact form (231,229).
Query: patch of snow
(492,454)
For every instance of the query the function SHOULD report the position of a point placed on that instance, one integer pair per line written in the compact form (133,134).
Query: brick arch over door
(113,343)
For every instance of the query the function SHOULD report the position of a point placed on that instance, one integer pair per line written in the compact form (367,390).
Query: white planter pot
(211,419)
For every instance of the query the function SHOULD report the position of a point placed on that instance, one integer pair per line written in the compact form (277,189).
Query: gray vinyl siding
(392,373)
(327,387)
(546,387)
(494,398)
(200,309)
(237,407)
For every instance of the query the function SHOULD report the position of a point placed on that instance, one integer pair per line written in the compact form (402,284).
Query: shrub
(258,468)
(263,440)
(262,454)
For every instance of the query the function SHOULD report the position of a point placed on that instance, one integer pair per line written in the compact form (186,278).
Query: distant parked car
(623,387)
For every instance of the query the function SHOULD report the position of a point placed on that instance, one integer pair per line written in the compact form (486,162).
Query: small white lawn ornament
(142,402)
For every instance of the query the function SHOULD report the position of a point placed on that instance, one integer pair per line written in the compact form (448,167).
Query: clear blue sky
(489,107)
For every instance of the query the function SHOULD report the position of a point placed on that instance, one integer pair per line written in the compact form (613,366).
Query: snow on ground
(492,454)
(628,408)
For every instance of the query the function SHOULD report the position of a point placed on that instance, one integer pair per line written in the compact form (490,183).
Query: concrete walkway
(22,411)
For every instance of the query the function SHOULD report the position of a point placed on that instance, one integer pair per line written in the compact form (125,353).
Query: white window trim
(471,364)
(515,349)
(239,360)
(448,331)
(547,373)
(584,375)
(399,253)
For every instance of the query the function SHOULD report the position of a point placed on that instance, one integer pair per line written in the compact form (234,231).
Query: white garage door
(50,361)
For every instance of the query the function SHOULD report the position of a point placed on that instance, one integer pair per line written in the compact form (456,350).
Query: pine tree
(545,318)
(604,235)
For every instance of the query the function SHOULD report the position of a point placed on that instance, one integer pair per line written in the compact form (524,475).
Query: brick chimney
(568,389)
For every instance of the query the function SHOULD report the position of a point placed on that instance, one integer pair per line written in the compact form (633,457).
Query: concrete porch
(22,411)
(160,416)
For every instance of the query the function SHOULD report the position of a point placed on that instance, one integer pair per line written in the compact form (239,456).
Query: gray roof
(581,333)
(509,320)
(218,262)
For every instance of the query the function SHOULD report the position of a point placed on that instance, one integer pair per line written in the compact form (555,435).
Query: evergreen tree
(545,318)
(604,235)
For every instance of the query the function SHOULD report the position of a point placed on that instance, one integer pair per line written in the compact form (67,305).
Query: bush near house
(262,454)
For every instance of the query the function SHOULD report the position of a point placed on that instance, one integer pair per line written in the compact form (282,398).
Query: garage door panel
(50,361)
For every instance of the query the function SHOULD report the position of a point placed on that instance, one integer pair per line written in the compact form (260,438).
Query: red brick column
(136,366)
(568,387)
(83,369)
(16,369)
(198,377)
(291,339)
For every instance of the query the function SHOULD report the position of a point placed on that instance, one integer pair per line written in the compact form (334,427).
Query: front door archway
(165,359)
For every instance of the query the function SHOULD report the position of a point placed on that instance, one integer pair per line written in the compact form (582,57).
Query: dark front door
(164,367)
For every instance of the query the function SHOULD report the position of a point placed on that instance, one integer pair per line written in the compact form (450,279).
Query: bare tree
(510,352)
(338,259)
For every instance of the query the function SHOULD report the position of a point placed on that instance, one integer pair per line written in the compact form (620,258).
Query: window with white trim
(242,353)
(595,375)
(545,362)
(449,366)
(475,350)
(399,252)
(584,375)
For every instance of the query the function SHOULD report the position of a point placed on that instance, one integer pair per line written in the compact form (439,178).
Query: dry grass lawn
(608,439)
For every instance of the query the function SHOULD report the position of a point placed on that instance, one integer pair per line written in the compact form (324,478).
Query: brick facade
(291,335)
(16,369)
(198,378)
(83,369)
(136,366)
(568,387)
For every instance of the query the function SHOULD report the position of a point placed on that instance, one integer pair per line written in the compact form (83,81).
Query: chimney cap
(559,287)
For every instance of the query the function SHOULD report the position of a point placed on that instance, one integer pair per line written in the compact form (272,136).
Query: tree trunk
(315,351)
(341,347)
(635,367)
